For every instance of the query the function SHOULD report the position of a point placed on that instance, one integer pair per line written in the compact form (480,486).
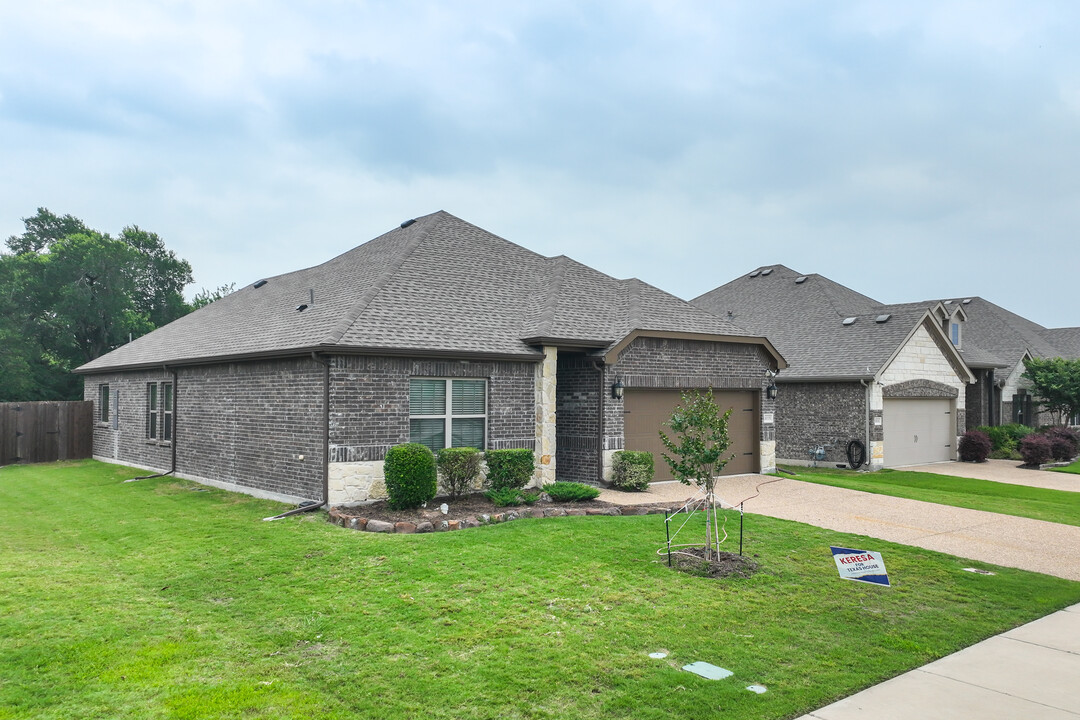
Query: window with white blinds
(437,423)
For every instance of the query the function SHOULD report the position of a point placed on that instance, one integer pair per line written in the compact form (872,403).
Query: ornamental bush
(459,467)
(1006,437)
(571,491)
(632,470)
(974,446)
(1064,442)
(509,468)
(411,479)
(1036,449)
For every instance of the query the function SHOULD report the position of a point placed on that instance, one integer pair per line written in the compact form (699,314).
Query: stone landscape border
(338,516)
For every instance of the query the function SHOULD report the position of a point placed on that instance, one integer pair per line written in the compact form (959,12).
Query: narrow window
(167,411)
(461,422)
(956,334)
(151,411)
(103,403)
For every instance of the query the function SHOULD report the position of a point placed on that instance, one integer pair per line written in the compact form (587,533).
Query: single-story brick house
(885,375)
(437,332)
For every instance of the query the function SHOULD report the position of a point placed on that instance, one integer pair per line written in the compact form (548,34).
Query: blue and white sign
(861,565)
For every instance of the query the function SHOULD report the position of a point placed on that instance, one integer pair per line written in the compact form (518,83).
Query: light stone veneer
(767,457)
(920,359)
(352,483)
(545,418)
(609,464)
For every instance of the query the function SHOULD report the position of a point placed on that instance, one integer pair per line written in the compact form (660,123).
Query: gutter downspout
(172,462)
(309,506)
(599,367)
(867,385)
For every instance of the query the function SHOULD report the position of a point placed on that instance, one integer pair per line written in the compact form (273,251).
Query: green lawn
(157,600)
(1073,469)
(1060,506)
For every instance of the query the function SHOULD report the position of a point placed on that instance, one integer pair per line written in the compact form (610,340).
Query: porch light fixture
(617,389)
(770,392)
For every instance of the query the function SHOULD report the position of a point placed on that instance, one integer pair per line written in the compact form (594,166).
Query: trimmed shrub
(411,479)
(459,468)
(509,468)
(1006,437)
(632,470)
(1036,449)
(571,491)
(1063,442)
(974,446)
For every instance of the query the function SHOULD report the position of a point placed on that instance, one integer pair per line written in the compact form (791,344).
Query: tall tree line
(69,294)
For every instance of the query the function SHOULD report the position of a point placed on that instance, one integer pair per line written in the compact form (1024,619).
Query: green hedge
(459,467)
(411,479)
(632,470)
(1006,438)
(509,468)
(571,491)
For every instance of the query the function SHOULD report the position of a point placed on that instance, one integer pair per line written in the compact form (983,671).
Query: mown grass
(1060,506)
(158,599)
(1073,469)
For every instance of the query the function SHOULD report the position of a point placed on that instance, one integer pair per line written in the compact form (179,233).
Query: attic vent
(850,320)
(800,280)
(301,308)
(765,272)
(948,302)
(755,273)
(407,223)
(259,284)
(967,301)
(882,318)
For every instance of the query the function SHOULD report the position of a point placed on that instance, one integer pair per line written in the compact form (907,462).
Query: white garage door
(917,431)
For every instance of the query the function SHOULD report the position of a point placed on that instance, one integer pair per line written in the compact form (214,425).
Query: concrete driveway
(1004,471)
(1036,545)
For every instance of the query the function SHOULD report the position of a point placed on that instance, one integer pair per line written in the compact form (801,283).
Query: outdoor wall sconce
(770,392)
(617,389)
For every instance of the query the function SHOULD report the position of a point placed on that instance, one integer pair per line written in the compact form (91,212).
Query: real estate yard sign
(861,565)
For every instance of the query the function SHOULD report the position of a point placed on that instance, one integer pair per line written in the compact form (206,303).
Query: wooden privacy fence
(32,432)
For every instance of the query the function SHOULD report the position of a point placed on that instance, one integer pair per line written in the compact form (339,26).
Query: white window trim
(448,415)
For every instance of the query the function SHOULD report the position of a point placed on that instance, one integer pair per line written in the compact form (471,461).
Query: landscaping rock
(554,512)
(533,513)
(405,528)
(358,523)
(443,525)
(602,511)
(635,510)
(425,527)
(485,518)
(453,524)
(379,526)
(575,511)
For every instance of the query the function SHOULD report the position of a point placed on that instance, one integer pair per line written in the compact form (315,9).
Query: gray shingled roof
(1065,339)
(439,285)
(805,321)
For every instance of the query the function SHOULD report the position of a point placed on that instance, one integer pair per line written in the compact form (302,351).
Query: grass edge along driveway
(1058,506)
(164,599)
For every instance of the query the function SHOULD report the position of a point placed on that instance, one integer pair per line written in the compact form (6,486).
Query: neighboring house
(437,332)
(887,376)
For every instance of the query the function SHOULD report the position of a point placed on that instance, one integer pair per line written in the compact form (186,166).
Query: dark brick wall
(128,443)
(577,406)
(248,423)
(369,401)
(241,423)
(669,363)
(827,413)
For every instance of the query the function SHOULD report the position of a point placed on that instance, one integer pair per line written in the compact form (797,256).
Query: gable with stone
(437,332)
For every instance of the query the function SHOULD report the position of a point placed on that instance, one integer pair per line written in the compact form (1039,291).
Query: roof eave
(612,354)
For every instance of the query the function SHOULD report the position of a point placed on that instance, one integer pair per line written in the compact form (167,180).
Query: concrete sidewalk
(1004,471)
(1030,672)
(1036,545)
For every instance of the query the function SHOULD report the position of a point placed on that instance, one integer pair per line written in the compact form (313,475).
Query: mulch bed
(724,564)
(471,511)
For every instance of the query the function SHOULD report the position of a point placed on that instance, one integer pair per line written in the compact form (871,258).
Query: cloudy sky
(908,150)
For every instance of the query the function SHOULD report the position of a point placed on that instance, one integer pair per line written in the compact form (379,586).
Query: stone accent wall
(128,442)
(689,364)
(828,414)
(920,388)
(546,427)
(578,412)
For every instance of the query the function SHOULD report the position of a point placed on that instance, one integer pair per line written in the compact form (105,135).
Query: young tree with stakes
(699,451)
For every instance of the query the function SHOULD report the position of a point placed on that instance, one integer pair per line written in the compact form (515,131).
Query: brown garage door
(647,409)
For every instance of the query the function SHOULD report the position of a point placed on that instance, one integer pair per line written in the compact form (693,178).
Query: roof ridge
(555,272)
(373,290)
(633,302)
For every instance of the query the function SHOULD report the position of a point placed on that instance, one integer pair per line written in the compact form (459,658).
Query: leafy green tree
(69,294)
(204,297)
(1056,384)
(699,450)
